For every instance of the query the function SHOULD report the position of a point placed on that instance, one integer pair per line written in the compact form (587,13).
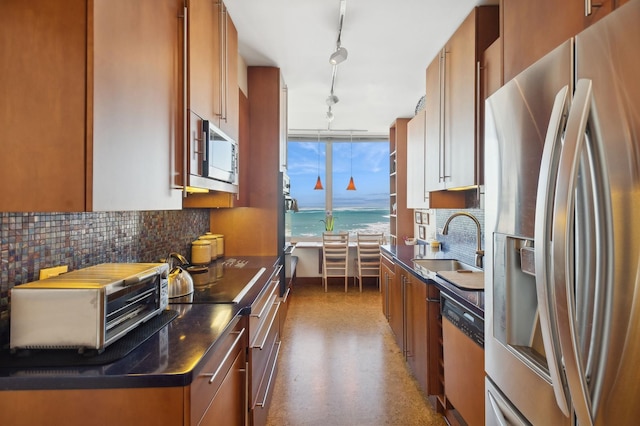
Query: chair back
(335,255)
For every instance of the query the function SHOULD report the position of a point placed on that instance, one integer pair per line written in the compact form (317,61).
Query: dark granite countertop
(404,255)
(167,358)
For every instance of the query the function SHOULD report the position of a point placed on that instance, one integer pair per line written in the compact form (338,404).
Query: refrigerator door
(518,360)
(608,60)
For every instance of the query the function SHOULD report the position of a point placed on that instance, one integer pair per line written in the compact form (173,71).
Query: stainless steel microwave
(221,155)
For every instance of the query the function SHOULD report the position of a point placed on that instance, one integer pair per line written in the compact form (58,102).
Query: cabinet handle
(477,145)
(441,72)
(225,63)
(226,356)
(588,7)
(266,335)
(185,111)
(271,374)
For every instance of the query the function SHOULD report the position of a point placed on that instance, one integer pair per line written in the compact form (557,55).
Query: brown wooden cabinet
(464,372)
(454,104)
(219,384)
(396,311)
(251,231)
(90,91)
(401,217)
(423,334)
(218,389)
(213,64)
(532,29)
(387,279)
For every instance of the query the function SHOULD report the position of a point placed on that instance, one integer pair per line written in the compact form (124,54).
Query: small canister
(200,252)
(214,244)
(220,241)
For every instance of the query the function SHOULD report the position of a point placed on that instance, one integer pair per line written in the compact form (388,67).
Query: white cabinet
(417,196)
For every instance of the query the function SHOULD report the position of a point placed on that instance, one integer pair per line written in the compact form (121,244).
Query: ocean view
(307,223)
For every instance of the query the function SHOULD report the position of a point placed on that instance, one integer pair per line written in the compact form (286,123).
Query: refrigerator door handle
(499,416)
(562,250)
(542,237)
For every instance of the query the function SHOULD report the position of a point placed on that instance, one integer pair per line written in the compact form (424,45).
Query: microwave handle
(139,278)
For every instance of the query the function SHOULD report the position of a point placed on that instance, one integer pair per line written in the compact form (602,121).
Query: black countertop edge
(404,255)
(169,358)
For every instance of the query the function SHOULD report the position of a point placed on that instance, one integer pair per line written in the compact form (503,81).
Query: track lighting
(332,99)
(338,56)
(329,115)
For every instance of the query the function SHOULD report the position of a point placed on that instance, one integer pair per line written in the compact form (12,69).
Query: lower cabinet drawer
(263,356)
(222,368)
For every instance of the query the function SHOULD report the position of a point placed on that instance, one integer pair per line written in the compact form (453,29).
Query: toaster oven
(88,308)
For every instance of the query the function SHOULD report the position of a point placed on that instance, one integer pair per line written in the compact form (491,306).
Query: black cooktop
(224,281)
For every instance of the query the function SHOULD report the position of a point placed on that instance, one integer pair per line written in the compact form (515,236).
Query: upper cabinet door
(213,64)
(88,105)
(417,197)
(532,29)
(455,104)
(204,56)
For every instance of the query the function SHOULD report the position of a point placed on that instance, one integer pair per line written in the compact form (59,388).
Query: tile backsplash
(32,241)
(461,241)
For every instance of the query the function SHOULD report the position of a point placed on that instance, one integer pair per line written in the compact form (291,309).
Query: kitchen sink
(460,274)
(435,265)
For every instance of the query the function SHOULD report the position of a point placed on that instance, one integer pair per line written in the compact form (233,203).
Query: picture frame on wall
(422,232)
(418,217)
(424,218)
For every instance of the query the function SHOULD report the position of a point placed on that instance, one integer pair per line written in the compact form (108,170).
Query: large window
(364,210)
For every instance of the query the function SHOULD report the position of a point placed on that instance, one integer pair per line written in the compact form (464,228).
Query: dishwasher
(463,353)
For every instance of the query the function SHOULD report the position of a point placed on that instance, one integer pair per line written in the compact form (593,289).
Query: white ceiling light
(329,115)
(338,56)
(332,99)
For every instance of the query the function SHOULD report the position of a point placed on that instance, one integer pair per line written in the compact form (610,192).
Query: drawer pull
(226,357)
(273,369)
(266,305)
(266,335)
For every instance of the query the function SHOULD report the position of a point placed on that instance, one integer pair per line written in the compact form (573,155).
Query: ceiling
(389,43)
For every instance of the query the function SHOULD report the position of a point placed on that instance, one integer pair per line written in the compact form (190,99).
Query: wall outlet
(52,272)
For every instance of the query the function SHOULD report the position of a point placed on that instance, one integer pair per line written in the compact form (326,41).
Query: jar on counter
(217,240)
(214,244)
(200,252)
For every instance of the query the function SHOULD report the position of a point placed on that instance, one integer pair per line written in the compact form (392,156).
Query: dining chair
(335,257)
(367,262)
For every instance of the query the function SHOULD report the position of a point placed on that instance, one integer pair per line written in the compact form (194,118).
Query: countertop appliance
(562,316)
(87,308)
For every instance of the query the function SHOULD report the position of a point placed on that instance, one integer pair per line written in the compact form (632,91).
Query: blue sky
(370,173)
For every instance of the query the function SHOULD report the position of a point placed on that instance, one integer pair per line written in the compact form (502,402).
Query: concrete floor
(339,364)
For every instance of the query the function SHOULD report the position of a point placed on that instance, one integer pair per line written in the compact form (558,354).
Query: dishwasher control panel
(466,321)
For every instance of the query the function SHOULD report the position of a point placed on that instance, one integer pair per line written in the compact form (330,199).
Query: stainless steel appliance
(562,323)
(212,159)
(221,155)
(88,308)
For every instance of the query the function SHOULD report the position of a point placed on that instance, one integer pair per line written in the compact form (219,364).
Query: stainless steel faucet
(479,251)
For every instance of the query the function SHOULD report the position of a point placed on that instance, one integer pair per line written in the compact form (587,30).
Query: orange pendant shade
(352,185)
(318,184)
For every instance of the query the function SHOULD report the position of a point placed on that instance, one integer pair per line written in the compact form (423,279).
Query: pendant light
(352,185)
(318,182)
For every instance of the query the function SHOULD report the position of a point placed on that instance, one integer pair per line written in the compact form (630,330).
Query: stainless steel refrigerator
(562,182)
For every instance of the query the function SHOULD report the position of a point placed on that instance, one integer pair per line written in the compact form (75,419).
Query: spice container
(213,240)
(200,252)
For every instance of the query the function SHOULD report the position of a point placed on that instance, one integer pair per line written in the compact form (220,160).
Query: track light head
(338,56)
(332,99)
(329,116)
